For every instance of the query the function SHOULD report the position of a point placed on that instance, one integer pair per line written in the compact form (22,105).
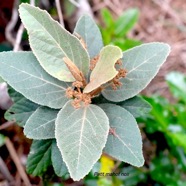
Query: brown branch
(6,125)
(18,38)
(59,11)
(4,170)
(10,26)
(17,162)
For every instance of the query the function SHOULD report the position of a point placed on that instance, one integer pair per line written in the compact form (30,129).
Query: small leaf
(107,17)
(104,70)
(50,42)
(21,111)
(137,106)
(81,135)
(22,71)
(90,33)
(39,157)
(142,64)
(57,161)
(125,144)
(41,124)
(126,22)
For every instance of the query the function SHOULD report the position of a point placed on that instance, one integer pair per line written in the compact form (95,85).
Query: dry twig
(6,125)
(4,170)
(17,162)
(59,11)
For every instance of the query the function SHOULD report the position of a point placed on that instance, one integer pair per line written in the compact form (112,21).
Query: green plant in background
(115,31)
(72,94)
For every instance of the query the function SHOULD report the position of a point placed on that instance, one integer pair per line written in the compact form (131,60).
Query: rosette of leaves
(75,97)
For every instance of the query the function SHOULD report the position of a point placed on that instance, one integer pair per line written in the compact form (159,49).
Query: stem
(59,11)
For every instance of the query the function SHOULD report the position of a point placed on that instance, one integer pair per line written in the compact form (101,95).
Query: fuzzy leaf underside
(81,135)
(50,42)
(126,144)
(57,161)
(90,33)
(104,70)
(142,64)
(41,124)
(39,157)
(21,111)
(137,106)
(22,71)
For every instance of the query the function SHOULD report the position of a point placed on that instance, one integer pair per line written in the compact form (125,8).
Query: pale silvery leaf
(41,124)
(90,33)
(142,64)
(22,71)
(126,142)
(104,70)
(57,161)
(81,135)
(137,106)
(21,111)
(50,42)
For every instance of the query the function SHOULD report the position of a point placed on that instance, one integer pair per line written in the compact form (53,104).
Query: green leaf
(126,22)
(1,80)
(104,70)
(22,71)
(127,43)
(39,157)
(41,124)
(126,143)
(177,85)
(57,161)
(21,111)
(137,106)
(81,135)
(142,64)
(90,33)
(178,139)
(2,140)
(107,17)
(50,42)
(15,96)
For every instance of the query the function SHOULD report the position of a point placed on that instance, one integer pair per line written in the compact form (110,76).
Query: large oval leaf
(126,142)
(90,33)
(81,135)
(104,70)
(22,71)
(50,42)
(142,64)
(41,124)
